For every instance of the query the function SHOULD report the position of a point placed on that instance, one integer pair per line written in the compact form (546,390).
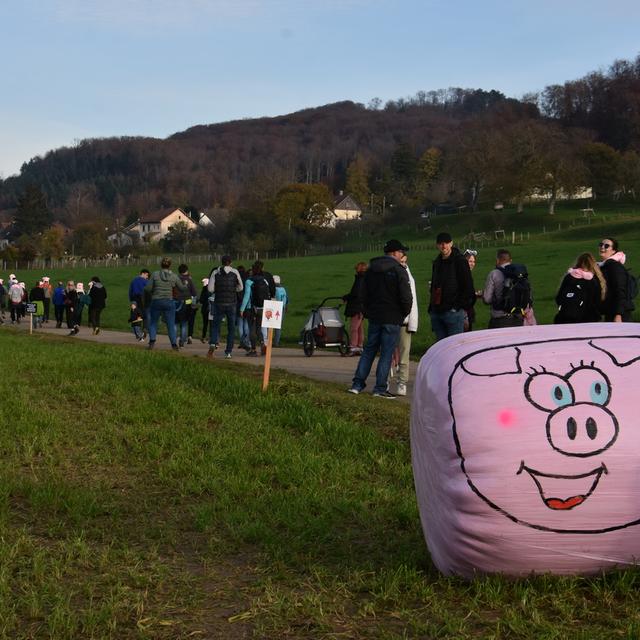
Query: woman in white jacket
(409,327)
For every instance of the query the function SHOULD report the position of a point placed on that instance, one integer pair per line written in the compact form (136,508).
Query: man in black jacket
(451,289)
(387,302)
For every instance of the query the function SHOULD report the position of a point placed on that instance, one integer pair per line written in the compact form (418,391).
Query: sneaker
(354,390)
(227,356)
(175,347)
(252,354)
(144,334)
(189,340)
(180,343)
(401,389)
(384,394)
(152,343)
(211,351)
(97,330)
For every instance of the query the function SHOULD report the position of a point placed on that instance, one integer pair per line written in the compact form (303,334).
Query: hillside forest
(260,179)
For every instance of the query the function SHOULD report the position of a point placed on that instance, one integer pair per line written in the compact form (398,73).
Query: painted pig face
(548,439)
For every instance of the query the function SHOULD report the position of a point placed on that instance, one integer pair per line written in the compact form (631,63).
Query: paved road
(324,364)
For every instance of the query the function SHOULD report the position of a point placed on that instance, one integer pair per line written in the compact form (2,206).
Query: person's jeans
(447,323)
(243,330)
(166,309)
(220,311)
(382,337)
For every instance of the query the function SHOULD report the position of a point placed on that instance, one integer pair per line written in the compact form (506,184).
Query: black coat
(615,303)
(355,297)
(98,296)
(451,283)
(387,292)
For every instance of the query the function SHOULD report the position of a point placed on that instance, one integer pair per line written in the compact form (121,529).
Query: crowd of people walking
(383,293)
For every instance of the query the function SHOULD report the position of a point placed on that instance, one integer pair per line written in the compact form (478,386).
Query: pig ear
(622,351)
(494,362)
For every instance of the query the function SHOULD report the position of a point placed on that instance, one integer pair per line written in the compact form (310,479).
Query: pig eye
(590,385)
(599,392)
(548,391)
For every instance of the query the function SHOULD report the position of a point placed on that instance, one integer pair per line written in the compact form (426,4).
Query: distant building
(345,208)
(152,227)
(581,193)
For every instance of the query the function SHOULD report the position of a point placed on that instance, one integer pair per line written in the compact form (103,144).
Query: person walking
(184,305)
(281,296)
(618,305)
(160,287)
(451,289)
(259,286)
(204,308)
(37,295)
(225,284)
(70,303)
(16,298)
(48,289)
(137,294)
(354,310)
(582,292)
(98,295)
(387,302)
(58,303)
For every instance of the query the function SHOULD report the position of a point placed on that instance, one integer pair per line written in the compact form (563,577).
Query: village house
(346,208)
(152,227)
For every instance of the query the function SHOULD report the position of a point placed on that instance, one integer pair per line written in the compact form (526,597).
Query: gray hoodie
(161,284)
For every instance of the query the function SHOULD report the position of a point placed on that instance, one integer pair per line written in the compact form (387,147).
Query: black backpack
(260,291)
(516,291)
(572,304)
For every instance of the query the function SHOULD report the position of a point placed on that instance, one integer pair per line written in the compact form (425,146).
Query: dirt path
(324,364)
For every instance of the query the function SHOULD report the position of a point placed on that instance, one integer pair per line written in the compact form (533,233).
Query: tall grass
(144,495)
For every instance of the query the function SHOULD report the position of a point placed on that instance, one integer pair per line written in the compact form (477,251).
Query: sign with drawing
(272,314)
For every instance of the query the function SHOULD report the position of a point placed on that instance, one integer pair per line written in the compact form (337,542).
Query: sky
(75,69)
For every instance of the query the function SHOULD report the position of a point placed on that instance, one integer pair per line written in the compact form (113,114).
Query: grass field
(309,280)
(155,496)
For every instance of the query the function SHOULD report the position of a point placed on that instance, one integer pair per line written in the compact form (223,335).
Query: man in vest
(224,286)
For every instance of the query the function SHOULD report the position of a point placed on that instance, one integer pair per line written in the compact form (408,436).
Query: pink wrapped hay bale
(526,449)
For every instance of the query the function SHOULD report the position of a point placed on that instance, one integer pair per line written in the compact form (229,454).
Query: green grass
(309,280)
(146,495)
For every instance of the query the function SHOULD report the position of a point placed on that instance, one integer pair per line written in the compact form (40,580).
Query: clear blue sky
(73,69)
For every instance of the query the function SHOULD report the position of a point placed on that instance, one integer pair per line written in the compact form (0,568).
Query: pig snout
(582,429)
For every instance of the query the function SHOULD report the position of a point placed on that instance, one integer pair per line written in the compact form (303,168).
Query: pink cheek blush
(507,418)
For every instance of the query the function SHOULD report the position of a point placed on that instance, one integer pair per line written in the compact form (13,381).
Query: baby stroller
(324,328)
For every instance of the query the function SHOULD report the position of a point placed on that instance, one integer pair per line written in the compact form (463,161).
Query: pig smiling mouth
(576,485)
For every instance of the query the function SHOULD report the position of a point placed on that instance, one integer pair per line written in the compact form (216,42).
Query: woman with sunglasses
(617,306)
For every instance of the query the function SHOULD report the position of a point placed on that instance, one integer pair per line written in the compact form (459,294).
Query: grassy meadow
(147,495)
(308,280)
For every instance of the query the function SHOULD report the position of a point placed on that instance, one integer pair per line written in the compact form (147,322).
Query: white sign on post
(272,314)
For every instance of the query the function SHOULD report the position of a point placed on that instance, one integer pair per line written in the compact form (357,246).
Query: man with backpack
(224,285)
(507,291)
(259,286)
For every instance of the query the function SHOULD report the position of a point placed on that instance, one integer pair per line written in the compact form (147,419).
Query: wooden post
(267,360)
(30,323)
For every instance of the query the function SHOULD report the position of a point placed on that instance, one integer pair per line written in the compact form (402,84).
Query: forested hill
(245,162)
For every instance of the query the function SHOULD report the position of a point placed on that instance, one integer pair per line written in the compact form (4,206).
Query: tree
(32,215)
(429,166)
(302,205)
(52,243)
(178,237)
(603,164)
(358,180)
(404,169)
(89,239)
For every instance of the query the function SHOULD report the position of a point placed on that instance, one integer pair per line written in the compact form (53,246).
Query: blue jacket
(58,296)
(136,288)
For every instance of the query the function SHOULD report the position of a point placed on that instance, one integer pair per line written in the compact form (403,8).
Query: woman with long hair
(617,306)
(582,292)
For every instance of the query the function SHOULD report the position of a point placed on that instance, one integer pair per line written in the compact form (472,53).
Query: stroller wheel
(343,348)
(308,343)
